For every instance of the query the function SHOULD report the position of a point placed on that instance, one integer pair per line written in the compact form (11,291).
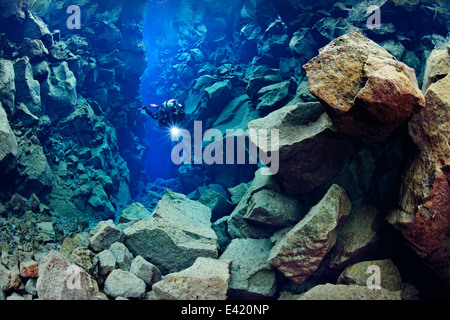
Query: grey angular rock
(145,270)
(122,283)
(9,280)
(273,96)
(301,250)
(106,262)
(35,28)
(219,92)
(8,143)
(223,238)
(34,49)
(59,95)
(261,77)
(123,256)
(24,115)
(219,206)
(251,276)
(8,87)
(273,209)
(307,159)
(104,235)
(237,225)
(237,192)
(178,232)
(60,279)
(206,279)
(33,167)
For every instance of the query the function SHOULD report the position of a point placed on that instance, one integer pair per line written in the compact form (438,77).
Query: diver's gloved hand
(143,108)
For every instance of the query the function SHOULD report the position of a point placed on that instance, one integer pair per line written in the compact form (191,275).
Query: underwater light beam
(175,132)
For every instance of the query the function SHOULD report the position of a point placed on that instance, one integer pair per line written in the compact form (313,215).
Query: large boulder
(438,66)
(174,236)
(300,251)
(60,279)
(364,89)
(423,216)
(251,276)
(206,279)
(307,159)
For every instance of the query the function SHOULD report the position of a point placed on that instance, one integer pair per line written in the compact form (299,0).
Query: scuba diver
(169,114)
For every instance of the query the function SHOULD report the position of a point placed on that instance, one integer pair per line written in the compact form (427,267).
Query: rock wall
(70,97)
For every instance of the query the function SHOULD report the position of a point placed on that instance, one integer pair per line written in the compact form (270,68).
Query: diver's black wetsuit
(170,113)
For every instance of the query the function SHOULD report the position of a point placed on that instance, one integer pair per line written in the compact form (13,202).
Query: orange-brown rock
(29,269)
(424,214)
(363,88)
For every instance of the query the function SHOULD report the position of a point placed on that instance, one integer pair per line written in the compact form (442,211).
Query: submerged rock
(124,284)
(251,276)
(174,236)
(104,235)
(308,158)
(59,91)
(357,236)
(423,217)
(364,89)
(301,250)
(8,143)
(438,66)
(206,279)
(237,225)
(359,273)
(8,87)
(348,292)
(58,278)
